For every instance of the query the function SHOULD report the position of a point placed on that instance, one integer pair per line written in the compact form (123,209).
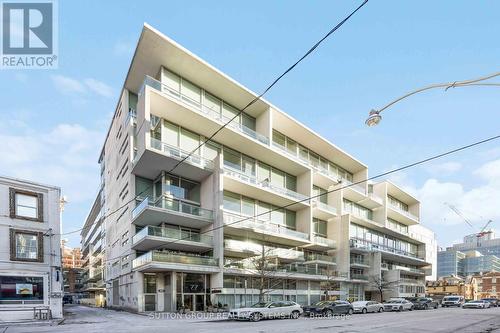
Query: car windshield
(453,299)
(322,303)
(393,301)
(260,305)
(359,303)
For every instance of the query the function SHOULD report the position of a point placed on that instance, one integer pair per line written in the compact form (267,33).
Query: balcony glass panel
(158,256)
(172,234)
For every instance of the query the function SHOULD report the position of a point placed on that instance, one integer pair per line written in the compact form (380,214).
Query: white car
(367,306)
(398,304)
(476,305)
(268,310)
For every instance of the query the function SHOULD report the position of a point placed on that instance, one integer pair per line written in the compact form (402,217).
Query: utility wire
(407,166)
(256,99)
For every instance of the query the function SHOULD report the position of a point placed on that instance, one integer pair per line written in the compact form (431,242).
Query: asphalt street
(85,319)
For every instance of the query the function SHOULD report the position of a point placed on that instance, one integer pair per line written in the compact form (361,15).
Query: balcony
(172,210)
(397,213)
(357,276)
(159,156)
(322,210)
(95,275)
(409,270)
(151,237)
(321,243)
(322,259)
(240,182)
(285,270)
(358,262)
(387,252)
(154,261)
(264,230)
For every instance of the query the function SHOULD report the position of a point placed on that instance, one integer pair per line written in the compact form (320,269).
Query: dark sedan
(424,303)
(494,302)
(328,308)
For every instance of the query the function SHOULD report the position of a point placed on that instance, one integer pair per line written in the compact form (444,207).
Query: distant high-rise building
(72,268)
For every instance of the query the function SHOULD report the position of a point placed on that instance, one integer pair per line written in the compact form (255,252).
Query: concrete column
(160,292)
(173,297)
(140,291)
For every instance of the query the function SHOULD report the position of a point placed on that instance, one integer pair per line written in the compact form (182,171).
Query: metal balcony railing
(166,257)
(203,109)
(180,154)
(170,233)
(174,205)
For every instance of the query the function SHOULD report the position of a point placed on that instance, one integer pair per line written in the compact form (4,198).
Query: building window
(26,205)
(26,245)
(21,290)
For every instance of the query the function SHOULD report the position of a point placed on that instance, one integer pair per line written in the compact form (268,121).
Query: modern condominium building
(93,255)
(453,262)
(30,256)
(234,221)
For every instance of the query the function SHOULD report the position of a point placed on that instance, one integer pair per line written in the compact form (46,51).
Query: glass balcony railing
(356,187)
(403,212)
(238,221)
(177,258)
(320,257)
(375,198)
(359,261)
(324,241)
(206,111)
(252,179)
(174,205)
(357,276)
(181,154)
(132,115)
(325,207)
(170,233)
(372,246)
(285,268)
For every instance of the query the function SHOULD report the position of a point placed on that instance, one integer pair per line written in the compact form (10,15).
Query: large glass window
(171,134)
(189,141)
(279,139)
(182,188)
(191,91)
(232,201)
(26,245)
(247,206)
(320,194)
(21,289)
(172,81)
(320,227)
(150,283)
(212,103)
(26,205)
(232,159)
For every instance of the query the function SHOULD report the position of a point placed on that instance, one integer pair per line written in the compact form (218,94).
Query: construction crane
(482,232)
(459,213)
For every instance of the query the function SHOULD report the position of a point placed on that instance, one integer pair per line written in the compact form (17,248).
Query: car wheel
(400,309)
(295,314)
(426,307)
(328,313)
(435,307)
(350,312)
(364,311)
(381,310)
(255,316)
(411,309)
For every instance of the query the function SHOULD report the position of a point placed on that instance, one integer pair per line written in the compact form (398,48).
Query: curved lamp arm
(374,116)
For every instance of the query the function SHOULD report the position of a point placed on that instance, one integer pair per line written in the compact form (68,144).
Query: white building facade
(189,237)
(30,254)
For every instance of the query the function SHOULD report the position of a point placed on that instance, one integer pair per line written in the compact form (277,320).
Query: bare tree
(266,265)
(380,283)
(330,283)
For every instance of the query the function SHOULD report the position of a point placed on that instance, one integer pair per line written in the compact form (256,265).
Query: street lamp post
(374,116)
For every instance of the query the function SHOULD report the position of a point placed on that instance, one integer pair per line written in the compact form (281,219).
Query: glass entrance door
(194,302)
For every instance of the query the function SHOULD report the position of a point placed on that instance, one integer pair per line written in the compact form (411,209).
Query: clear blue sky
(53,121)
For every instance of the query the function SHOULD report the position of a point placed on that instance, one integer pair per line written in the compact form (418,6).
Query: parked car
(367,306)
(494,302)
(452,301)
(481,304)
(328,308)
(424,303)
(268,310)
(398,304)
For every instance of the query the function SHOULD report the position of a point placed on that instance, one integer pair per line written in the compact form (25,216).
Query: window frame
(13,255)
(12,204)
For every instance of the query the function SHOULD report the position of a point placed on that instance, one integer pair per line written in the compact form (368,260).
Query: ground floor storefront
(189,291)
